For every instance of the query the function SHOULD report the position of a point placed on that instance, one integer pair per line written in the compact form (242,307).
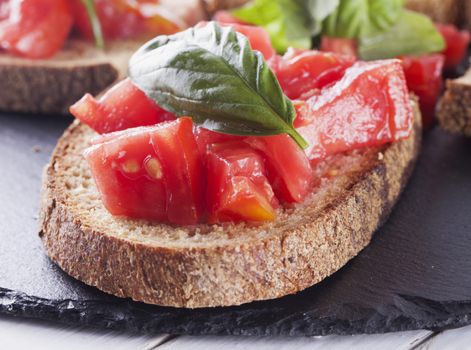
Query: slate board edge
(73,312)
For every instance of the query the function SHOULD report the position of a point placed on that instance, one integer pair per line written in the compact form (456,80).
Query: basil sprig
(211,74)
(95,23)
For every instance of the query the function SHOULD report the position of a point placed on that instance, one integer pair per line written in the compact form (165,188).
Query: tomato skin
(118,165)
(124,19)
(424,78)
(456,42)
(206,138)
(300,71)
(35,28)
(238,189)
(343,46)
(258,38)
(182,166)
(369,106)
(288,169)
(152,172)
(282,157)
(423,73)
(122,107)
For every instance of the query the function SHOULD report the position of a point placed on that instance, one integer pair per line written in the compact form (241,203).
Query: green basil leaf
(211,74)
(360,18)
(414,34)
(94,22)
(285,21)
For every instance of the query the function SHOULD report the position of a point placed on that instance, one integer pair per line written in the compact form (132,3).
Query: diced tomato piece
(151,172)
(369,106)
(257,36)
(288,168)
(182,166)
(282,157)
(339,45)
(424,78)
(129,175)
(238,189)
(35,28)
(456,44)
(205,138)
(123,106)
(227,17)
(299,72)
(125,19)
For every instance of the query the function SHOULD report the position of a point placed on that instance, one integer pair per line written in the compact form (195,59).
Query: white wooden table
(19,334)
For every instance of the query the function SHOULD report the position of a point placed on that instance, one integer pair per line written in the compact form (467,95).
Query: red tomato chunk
(182,167)
(299,72)
(35,28)
(456,43)
(282,158)
(238,189)
(205,138)
(339,45)
(424,78)
(258,38)
(122,107)
(288,168)
(369,106)
(129,175)
(151,172)
(125,19)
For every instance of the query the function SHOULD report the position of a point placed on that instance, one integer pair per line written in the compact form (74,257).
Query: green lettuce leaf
(413,34)
(288,22)
(361,18)
(284,21)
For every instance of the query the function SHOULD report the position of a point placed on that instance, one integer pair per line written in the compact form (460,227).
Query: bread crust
(50,86)
(232,272)
(454,110)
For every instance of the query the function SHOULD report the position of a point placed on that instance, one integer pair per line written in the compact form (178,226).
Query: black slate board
(416,273)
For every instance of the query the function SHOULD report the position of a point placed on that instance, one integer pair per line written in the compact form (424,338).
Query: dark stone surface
(416,273)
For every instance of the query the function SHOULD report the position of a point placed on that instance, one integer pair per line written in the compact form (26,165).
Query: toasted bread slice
(52,85)
(219,265)
(454,110)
